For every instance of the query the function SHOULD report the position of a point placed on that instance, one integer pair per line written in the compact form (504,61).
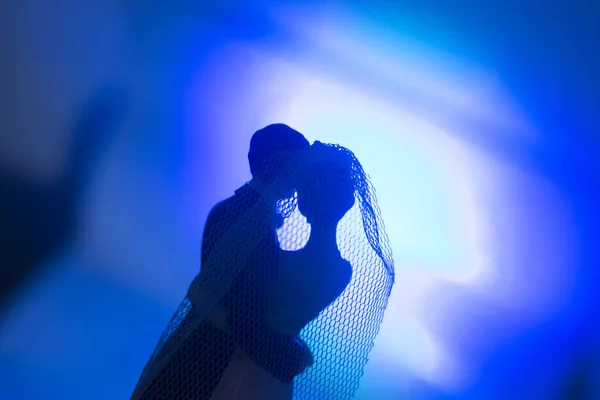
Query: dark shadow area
(38,220)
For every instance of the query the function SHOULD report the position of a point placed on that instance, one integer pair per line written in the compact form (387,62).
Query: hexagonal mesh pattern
(274,314)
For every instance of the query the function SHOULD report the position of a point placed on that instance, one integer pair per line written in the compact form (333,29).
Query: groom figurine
(200,361)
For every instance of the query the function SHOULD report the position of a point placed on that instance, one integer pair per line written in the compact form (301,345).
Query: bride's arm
(282,355)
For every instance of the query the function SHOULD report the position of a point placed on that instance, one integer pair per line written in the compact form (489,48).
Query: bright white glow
(420,78)
(424,188)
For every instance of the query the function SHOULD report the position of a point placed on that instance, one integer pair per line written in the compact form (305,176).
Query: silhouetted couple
(237,333)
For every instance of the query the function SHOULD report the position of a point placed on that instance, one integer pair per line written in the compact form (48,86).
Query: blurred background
(123,121)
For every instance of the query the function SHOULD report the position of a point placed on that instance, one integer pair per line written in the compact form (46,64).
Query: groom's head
(268,148)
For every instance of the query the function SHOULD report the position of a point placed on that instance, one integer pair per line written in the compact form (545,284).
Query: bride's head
(327,191)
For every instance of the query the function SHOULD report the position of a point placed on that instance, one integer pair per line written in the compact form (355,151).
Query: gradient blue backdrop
(476,121)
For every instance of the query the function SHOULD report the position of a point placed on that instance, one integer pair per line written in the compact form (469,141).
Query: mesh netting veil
(226,318)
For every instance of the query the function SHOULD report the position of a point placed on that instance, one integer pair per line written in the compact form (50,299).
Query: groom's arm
(282,355)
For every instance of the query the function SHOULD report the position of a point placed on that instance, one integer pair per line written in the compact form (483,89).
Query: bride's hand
(308,359)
